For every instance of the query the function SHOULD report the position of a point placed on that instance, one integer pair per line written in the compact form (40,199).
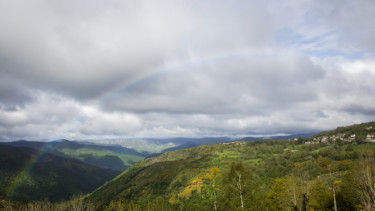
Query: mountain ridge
(28,174)
(103,156)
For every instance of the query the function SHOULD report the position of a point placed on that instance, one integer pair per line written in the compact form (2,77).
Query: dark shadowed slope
(28,174)
(113,157)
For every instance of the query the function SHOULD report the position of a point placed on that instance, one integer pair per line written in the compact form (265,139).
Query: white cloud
(52,116)
(356,67)
(12,118)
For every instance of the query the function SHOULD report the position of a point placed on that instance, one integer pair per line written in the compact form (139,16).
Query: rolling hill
(28,174)
(113,157)
(248,175)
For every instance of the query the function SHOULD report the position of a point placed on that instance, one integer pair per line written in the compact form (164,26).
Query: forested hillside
(273,175)
(27,175)
(113,157)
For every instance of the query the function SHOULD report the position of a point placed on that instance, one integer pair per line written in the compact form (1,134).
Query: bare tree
(326,165)
(238,182)
(214,173)
(365,180)
(239,187)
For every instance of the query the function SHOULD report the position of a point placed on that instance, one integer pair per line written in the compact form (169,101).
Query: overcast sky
(92,69)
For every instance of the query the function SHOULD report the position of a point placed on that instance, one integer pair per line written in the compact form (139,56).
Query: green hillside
(104,156)
(27,175)
(270,173)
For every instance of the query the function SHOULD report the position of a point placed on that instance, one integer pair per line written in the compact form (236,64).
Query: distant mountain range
(113,157)
(278,137)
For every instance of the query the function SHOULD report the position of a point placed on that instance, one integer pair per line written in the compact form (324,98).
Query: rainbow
(186,64)
(181,65)
(24,172)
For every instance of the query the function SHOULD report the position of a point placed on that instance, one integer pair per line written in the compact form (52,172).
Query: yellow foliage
(207,176)
(215,172)
(336,182)
(197,183)
(194,185)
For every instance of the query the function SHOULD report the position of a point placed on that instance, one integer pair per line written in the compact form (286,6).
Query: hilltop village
(345,137)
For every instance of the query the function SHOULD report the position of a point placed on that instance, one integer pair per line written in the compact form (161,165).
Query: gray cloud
(359,109)
(235,85)
(72,69)
(84,50)
(13,94)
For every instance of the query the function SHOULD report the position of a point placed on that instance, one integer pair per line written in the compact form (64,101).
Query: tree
(238,187)
(118,205)
(203,185)
(288,193)
(274,197)
(347,196)
(211,177)
(320,197)
(364,176)
(325,164)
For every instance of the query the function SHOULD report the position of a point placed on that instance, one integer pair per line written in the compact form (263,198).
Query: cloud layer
(97,70)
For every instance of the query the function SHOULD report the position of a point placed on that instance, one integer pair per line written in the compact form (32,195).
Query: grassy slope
(80,154)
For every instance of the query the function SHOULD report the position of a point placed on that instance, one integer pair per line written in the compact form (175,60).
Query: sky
(94,69)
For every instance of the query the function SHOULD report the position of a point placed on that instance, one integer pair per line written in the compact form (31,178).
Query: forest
(276,175)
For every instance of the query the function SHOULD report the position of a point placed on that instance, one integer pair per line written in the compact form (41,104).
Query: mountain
(113,157)
(253,175)
(28,174)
